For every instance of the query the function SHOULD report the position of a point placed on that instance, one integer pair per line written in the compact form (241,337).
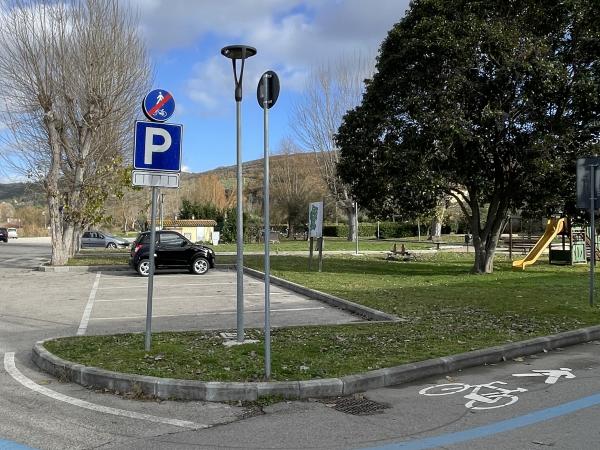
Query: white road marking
(552,375)
(162,286)
(9,366)
(208,313)
(88,307)
(187,297)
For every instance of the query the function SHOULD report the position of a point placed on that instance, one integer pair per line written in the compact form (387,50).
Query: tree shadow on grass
(366,266)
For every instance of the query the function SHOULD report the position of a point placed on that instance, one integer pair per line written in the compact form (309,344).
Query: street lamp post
(235,53)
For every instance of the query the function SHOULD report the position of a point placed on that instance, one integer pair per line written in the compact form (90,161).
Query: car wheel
(143,267)
(111,245)
(200,266)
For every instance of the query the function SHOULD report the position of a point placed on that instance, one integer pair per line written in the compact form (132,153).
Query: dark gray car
(98,239)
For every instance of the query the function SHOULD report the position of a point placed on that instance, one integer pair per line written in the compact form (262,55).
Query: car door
(172,249)
(100,240)
(86,240)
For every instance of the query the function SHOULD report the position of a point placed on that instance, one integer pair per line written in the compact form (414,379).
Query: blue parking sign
(157,146)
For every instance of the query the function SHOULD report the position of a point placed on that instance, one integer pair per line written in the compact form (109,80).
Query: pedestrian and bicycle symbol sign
(158,105)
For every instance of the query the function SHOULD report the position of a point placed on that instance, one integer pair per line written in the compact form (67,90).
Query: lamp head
(238,51)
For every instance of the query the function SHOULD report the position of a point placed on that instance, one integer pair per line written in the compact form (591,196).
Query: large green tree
(487,101)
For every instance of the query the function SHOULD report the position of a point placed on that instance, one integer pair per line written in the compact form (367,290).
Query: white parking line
(9,366)
(209,313)
(189,297)
(88,308)
(246,283)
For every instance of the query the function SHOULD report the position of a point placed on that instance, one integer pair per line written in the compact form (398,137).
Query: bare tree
(295,182)
(76,71)
(208,189)
(331,90)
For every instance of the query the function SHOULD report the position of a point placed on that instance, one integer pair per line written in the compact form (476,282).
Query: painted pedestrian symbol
(158,105)
(552,376)
(479,396)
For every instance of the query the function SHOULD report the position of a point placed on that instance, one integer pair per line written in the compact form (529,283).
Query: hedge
(387,230)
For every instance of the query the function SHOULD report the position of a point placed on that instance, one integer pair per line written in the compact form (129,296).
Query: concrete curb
(104,268)
(167,388)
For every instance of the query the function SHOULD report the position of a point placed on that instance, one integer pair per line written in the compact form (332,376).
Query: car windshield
(143,238)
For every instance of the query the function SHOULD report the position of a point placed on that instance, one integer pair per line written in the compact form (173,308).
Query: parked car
(172,250)
(12,233)
(3,234)
(98,239)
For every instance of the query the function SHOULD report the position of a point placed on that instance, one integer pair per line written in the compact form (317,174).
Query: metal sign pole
(148,339)
(356,223)
(592,231)
(267,235)
(240,228)
(162,201)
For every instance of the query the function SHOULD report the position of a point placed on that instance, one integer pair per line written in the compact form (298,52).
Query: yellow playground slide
(555,226)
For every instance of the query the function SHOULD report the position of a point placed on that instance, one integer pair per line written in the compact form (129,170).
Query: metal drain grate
(356,406)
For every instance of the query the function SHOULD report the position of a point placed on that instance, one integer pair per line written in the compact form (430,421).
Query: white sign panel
(154,179)
(315,220)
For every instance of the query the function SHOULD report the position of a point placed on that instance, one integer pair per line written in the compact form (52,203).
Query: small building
(195,230)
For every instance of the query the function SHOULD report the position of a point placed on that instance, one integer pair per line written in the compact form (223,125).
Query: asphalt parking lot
(117,303)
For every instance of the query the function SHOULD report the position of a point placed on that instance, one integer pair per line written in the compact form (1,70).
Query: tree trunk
(485,240)
(438,219)
(484,260)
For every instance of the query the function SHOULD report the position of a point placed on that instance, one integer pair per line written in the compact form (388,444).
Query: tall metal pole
(267,234)
(148,337)
(235,53)
(356,224)
(592,231)
(240,228)
(162,201)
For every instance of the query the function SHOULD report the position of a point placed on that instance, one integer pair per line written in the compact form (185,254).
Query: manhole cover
(356,406)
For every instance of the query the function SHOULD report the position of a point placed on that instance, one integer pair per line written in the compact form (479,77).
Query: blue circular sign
(158,105)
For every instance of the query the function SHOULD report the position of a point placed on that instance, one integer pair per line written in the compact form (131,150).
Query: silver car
(98,239)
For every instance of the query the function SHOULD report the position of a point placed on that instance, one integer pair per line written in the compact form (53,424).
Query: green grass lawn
(445,310)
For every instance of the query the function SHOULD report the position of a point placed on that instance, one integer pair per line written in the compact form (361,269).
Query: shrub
(367,229)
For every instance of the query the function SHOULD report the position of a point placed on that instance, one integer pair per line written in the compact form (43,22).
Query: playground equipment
(555,225)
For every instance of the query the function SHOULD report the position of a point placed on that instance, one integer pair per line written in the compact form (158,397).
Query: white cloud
(291,36)
(169,24)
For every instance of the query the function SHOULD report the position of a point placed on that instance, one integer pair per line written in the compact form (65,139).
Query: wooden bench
(402,254)
(437,244)
(524,245)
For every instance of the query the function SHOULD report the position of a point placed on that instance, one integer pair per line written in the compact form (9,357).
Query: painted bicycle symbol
(481,396)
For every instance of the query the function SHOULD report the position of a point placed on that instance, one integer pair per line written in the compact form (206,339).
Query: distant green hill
(28,193)
(21,193)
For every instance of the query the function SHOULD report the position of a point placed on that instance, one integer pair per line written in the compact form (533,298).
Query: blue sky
(292,37)
(184,39)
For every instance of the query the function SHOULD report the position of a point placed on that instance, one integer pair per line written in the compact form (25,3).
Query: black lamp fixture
(235,52)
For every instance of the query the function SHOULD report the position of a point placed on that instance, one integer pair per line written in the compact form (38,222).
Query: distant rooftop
(189,223)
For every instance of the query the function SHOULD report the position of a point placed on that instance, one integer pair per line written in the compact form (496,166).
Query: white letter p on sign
(153,148)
